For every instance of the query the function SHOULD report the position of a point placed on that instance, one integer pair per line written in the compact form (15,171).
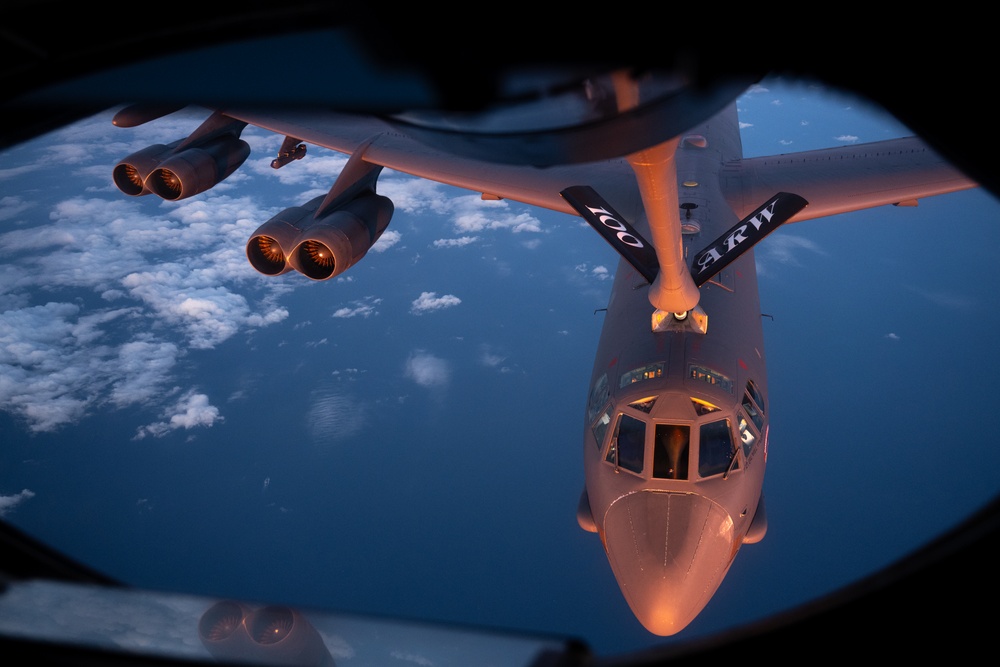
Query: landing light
(695,321)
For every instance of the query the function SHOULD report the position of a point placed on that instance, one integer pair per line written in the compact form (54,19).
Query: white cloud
(428,301)
(361,308)
(427,370)
(193,409)
(849,138)
(600,272)
(491,359)
(472,214)
(9,503)
(114,248)
(11,207)
(144,368)
(455,243)
(945,299)
(415,658)
(784,249)
(208,315)
(892,336)
(388,239)
(412,195)
(56,366)
(318,170)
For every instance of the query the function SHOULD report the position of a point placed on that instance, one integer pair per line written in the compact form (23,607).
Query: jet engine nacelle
(130,174)
(177,175)
(273,635)
(196,169)
(319,247)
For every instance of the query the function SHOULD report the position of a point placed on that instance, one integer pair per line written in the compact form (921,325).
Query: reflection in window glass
(746,435)
(628,444)
(716,449)
(670,451)
(703,407)
(758,398)
(600,427)
(755,416)
(643,405)
(599,394)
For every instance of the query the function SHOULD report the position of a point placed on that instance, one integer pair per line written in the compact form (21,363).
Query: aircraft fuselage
(676,427)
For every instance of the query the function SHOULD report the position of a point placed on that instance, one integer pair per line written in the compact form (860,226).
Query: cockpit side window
(746,434)
(670,451)
(599,395)
(716,450)
(628,444)
(751,409)
(758,398)
(600,427)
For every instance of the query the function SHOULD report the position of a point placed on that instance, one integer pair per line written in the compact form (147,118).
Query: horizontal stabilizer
(615,230)
(744,235)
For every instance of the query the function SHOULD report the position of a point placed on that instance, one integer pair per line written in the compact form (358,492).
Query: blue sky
(405,439)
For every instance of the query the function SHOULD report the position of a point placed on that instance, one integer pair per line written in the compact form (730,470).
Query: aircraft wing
(381,144)
(832,180)
(843,179)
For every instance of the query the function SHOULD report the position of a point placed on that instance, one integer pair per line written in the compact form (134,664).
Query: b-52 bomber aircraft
(675,428)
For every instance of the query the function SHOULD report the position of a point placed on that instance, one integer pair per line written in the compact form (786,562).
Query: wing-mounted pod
(273,635)
(328,235)
(130,174)
(187,167)
(138,114)
(339,240)
(269,246)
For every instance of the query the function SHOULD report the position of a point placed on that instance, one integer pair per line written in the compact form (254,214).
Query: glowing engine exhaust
(130,174)
(195,170)
(273,635)
(316,243)
(185,167)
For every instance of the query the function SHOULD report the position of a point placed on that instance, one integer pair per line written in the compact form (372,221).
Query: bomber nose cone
(669,553)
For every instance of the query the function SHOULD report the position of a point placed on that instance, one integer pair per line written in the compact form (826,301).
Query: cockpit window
(670,451)
(600,427)
(746,435)
(716,450)
(703,407)
(644,404)
(753,412)
(642,373)
(758,398)
(628,444)
(716,378)
(599,395)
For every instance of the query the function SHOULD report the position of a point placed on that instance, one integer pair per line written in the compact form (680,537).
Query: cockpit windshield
(716,449)
(671,448)
(628,444)
(670,452)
